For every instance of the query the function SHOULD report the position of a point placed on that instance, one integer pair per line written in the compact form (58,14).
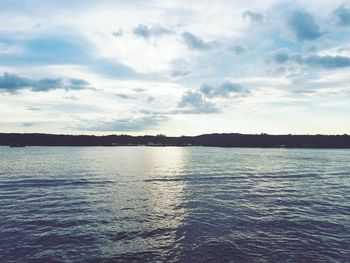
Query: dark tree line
(220,140)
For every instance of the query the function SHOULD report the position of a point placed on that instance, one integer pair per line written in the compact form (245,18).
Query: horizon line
(164,135)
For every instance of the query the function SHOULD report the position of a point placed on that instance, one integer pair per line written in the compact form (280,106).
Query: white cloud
(157,71)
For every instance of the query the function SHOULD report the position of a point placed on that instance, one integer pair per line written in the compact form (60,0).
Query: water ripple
(149,204)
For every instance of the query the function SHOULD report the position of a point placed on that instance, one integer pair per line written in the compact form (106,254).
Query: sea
(174,204)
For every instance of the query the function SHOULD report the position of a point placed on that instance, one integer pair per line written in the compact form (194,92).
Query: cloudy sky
(175,67)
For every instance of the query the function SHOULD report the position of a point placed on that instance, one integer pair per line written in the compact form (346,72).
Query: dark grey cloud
(195,42)
(331,62)
(78,83)
(180,73)
(238,50)
(118,33)
(193,99)
(224,90)
(125,96)
(342,14)
(34,108)
(281,56)
(198,101)
(195,102)
(146,32)
(304,26)
(13,83)
(255,17)
(46,84)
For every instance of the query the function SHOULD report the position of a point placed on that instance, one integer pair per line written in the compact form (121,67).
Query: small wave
(49,183)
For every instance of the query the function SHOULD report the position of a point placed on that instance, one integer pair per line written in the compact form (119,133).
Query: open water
(174,204)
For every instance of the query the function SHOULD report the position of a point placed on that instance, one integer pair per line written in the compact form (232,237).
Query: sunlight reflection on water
(97,204)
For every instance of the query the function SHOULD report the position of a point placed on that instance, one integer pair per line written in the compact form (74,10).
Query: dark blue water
(196,204)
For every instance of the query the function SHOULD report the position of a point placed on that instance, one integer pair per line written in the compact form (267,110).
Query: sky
(175,67)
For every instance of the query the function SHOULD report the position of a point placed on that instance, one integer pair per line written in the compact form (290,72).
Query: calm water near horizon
(173,204)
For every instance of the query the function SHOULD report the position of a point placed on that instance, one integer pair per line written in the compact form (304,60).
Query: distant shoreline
(210,140)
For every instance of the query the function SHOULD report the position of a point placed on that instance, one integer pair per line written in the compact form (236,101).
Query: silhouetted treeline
(221,140)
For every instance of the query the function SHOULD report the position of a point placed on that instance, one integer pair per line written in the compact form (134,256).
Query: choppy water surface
(150,204)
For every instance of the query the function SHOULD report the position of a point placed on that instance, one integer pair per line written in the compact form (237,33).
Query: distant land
(215,140)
